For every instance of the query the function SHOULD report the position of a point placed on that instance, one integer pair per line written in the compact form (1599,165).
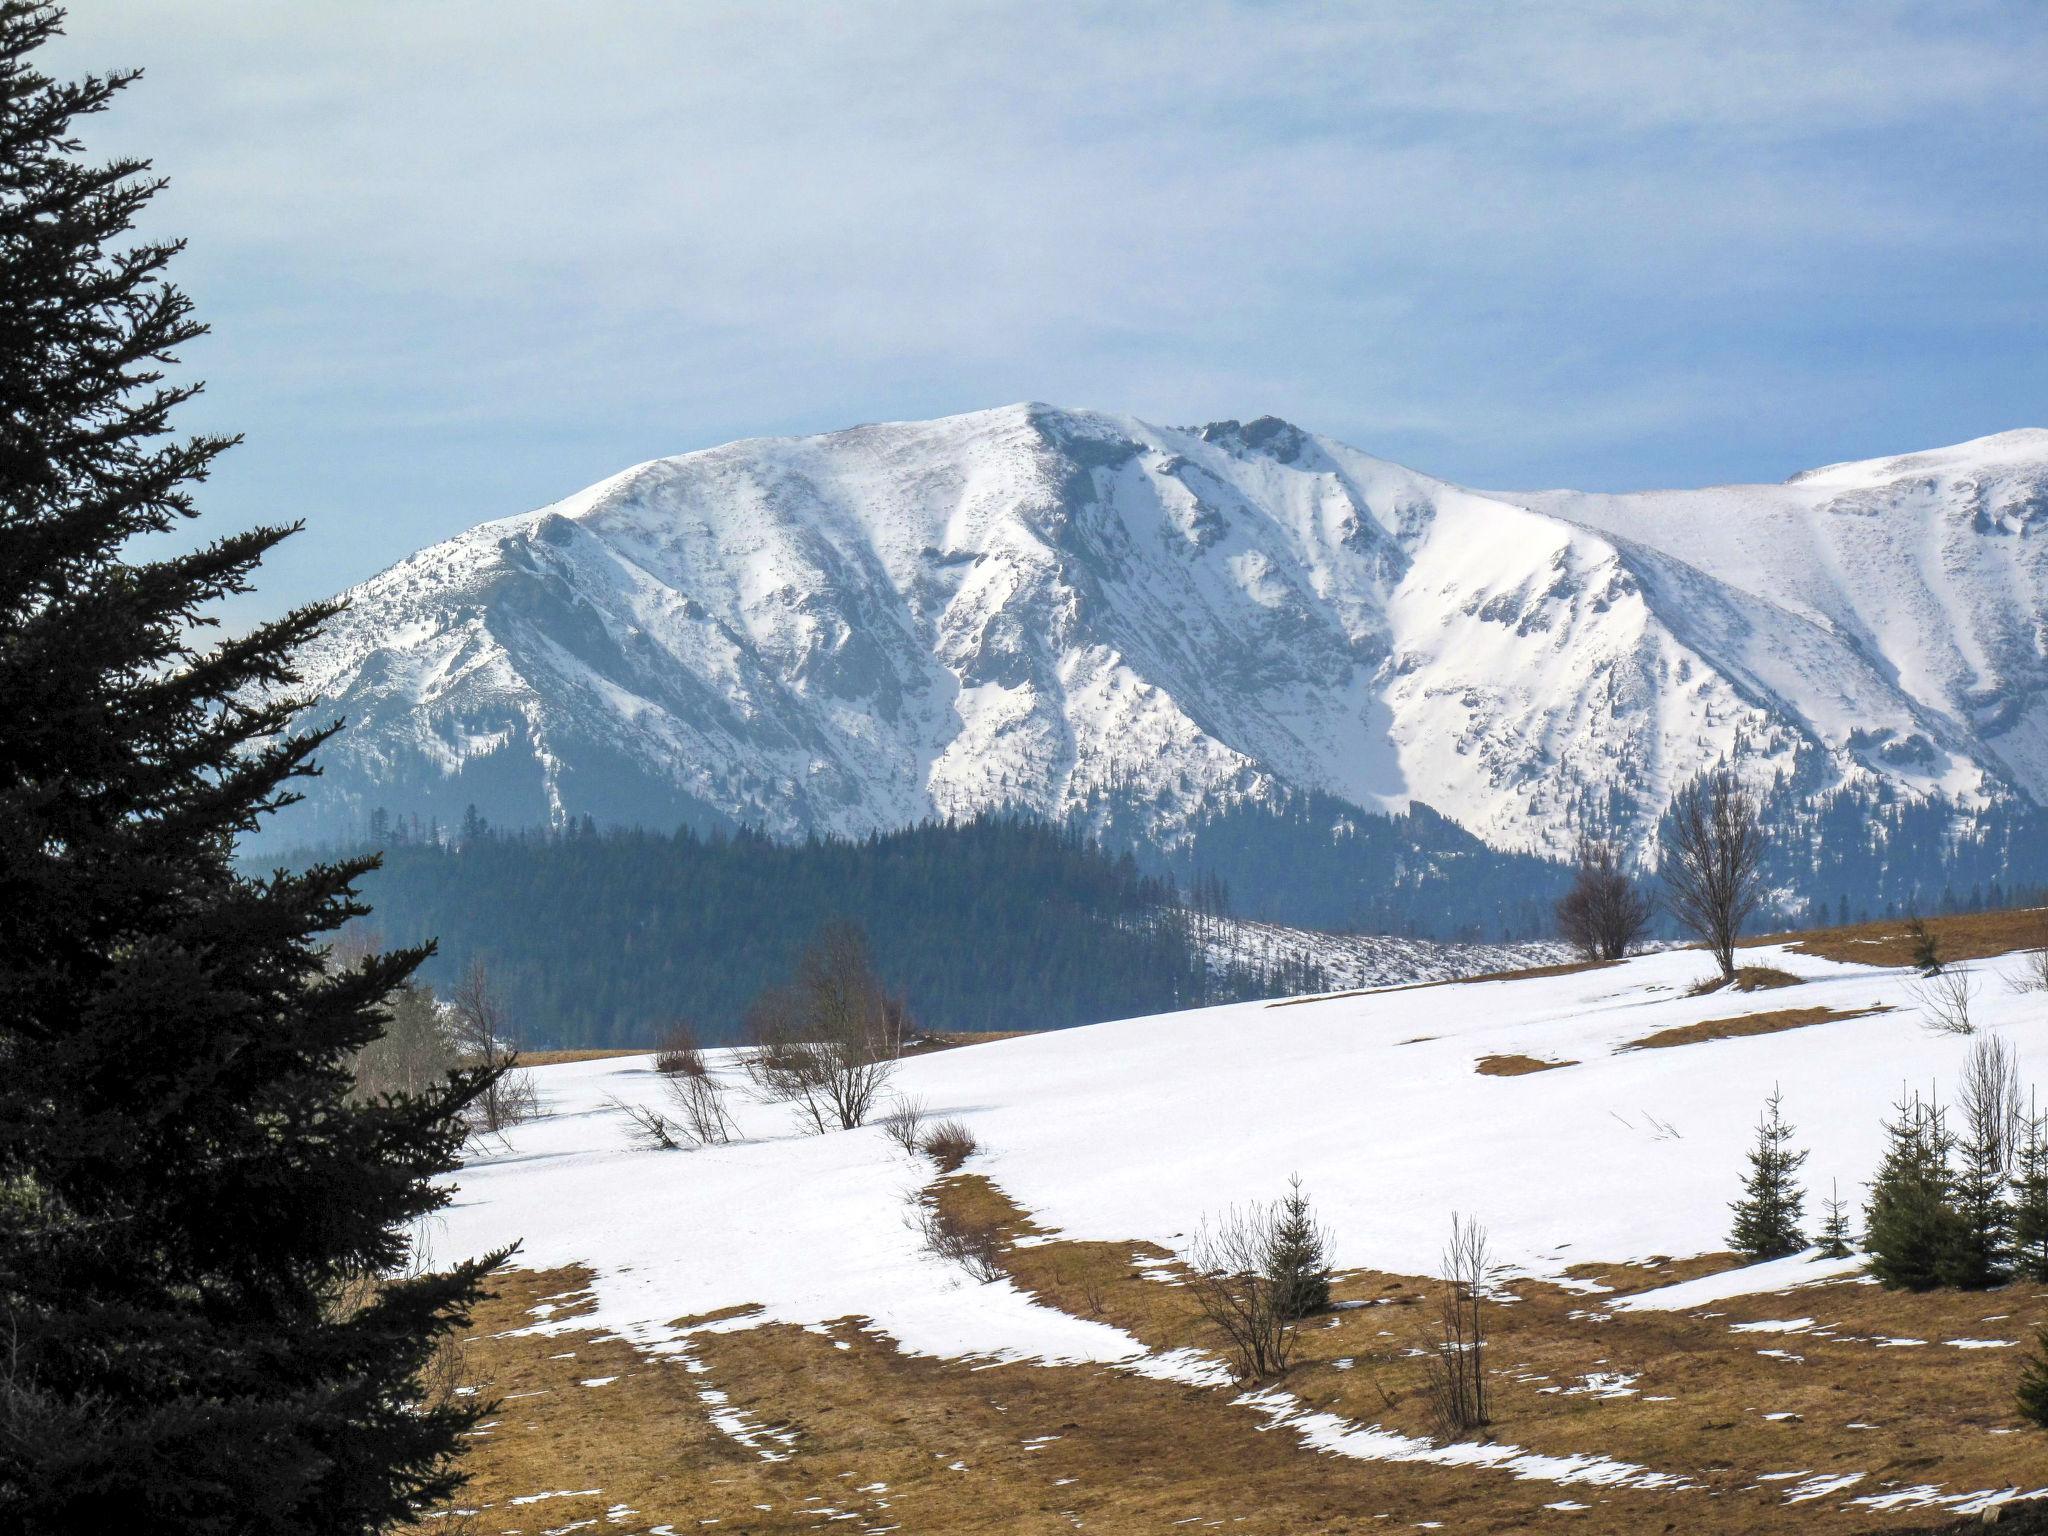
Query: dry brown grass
(1770,1023)
(1515,1066)
(1968,936)
(1763,978)
(557,1058)
(960,1447)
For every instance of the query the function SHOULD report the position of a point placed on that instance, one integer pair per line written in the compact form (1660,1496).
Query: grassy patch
(1515,1066)
(1967,936)
(1763,978)
(1771,1023)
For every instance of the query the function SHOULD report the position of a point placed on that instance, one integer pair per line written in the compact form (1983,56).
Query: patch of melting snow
(559,1493)
(1778,1418)
(1900,1343)
(598,1381)
(1567,1504)
(1929,1496)
(1774,1325)
(1981,1343)
(1344,1437)
(1820,1487)
(1600,1384)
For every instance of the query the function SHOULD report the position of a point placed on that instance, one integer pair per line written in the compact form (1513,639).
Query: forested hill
(599,938)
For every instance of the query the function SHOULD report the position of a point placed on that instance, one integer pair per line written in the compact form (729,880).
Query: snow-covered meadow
(1134,1130)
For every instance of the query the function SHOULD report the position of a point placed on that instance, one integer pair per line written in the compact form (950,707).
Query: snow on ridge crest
(1029,606)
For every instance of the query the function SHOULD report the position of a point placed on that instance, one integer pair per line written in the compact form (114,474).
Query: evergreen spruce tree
(1926,957)
(2029,1201)
(2033,1392)
(1297,1258)
(1767,1215)
(1911,1224)
(1977,1258)
(1835,1238)
(202,1242)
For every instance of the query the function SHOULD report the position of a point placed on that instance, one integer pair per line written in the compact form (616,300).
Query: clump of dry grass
(1763,978)
(1516,1066)
(949,1144)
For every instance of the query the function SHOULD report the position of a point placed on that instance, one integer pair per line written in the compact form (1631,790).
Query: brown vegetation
(1515,1066)
(1770,1023)
(1966,936)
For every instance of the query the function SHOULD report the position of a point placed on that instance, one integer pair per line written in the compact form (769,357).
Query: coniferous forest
(603,937)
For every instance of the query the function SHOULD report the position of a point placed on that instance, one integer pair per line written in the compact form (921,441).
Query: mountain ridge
(1034,608)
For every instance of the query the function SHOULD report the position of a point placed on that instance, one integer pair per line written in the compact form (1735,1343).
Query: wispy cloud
(462,257)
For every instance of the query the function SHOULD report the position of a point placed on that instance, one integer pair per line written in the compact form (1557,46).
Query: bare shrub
(483,1035)
(1603,914)
(650,1128)
(1231,1281)
(1944,1000)
(1456,1362)
(1712,857)
(904,1124)
(2033,976)
(949,1144)
(700,1101)
(679,1054)
(974,1244)
(1994,1114)
(827,1043)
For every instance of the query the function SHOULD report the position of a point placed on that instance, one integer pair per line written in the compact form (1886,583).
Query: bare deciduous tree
(1994,1115)
(828,1042)
(1944,998)
(1712,863)
(700,1100)
(483,1035)
(1604,913)
(1456,1362)
(2033,975)
(1229,1279)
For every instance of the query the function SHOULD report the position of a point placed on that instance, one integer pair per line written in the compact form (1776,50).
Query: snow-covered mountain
(1050,609)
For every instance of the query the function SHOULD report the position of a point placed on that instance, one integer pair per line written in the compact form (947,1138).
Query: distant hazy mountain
(1058,610)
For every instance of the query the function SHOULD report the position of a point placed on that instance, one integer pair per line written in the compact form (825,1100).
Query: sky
(466,257)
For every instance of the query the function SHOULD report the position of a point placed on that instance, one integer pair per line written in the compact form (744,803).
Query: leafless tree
(483,1035)
(700,1100)
(1945,998)
(1456,1362)
(904,1124)
(828,1042)
(1604,912)
(1230,1282)
(1994,1116)
(1712,863)
(2033,976)
(679,1054)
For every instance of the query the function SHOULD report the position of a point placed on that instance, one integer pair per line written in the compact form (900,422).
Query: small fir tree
(2029,1201)
(1297,1258)
(1926,947)
(2033,1392)
(1977,1259)
(1911,1224)
(1835,1238)
(1767,1215)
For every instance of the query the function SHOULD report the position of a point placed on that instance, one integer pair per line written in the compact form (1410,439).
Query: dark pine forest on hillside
(601,938)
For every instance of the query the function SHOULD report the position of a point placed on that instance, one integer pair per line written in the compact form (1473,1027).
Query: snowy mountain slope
(1043,608)
(1352,960)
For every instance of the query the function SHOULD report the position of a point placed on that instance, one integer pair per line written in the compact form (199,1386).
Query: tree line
(1000,922)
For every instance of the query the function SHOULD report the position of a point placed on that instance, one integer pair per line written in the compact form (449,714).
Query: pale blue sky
(462,258)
